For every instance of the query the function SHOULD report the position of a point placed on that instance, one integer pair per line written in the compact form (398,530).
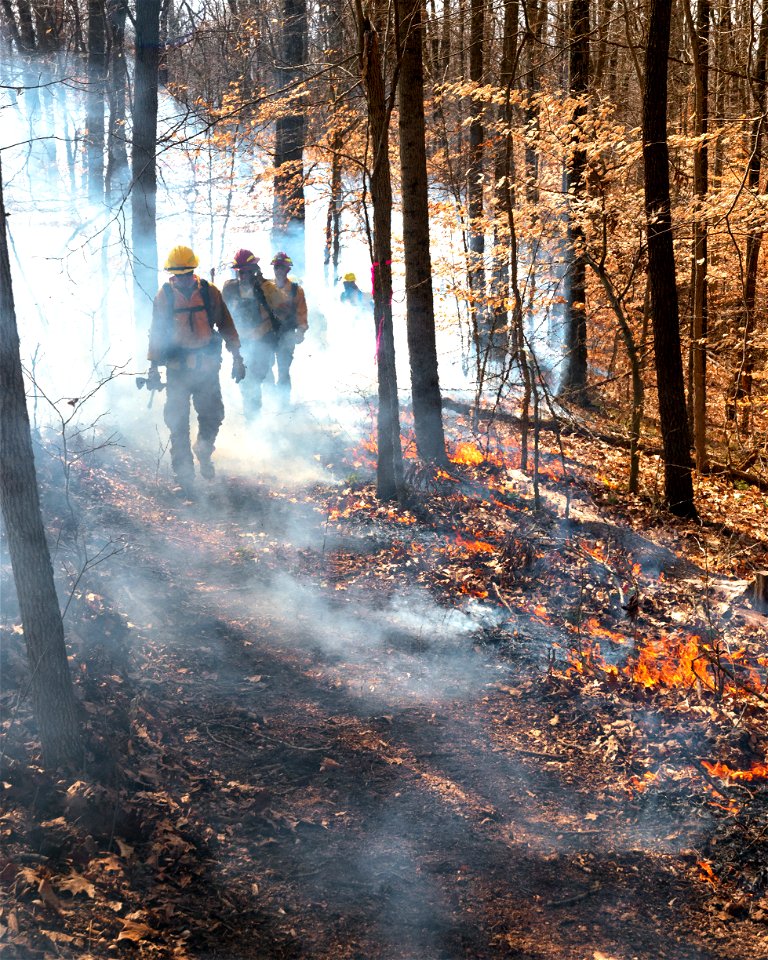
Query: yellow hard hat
(181,260)
(349,278)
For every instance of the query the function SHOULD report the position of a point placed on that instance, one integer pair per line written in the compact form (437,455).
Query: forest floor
(322,727)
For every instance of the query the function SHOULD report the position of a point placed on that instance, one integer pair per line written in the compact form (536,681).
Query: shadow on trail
(356,803)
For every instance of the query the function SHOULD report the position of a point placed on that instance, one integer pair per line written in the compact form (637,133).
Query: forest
(384,476)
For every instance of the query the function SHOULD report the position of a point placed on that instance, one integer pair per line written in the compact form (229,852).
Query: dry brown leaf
(75,883)
(126,850)
(57,936)
(47,894)
(30,876)
(136,932)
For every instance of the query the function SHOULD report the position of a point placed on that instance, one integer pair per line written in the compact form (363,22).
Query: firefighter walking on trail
(189,322)
(289,306)
(256,323)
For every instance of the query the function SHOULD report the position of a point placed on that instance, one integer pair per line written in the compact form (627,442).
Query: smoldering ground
(276,681)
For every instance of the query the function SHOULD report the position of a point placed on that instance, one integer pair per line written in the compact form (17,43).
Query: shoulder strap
(205,293)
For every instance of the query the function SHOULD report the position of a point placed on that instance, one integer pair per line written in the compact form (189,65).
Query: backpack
(214,345)
(205,293)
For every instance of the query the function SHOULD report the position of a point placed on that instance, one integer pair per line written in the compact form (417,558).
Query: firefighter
(352,294)
(256,324)
(189,322)
(289,305)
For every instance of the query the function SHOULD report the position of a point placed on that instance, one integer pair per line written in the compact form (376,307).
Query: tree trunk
(11,27)
(476,227)
(389,467)
(52,692)
(422,350)
(144,171)
(26,26)
(334,42)
(743,385)
(97,63)
(288,206)
(699,348)
(574,384)
(678,482)
(117,177)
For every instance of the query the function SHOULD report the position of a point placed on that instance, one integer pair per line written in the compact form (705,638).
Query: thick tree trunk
(422,350)
(389,468)
(288,206)
(678,481)
(144,171)
(52,692)
(574,385)
(97,64)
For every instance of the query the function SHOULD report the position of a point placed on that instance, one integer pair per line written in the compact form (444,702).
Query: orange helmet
(282,259)
(244,260)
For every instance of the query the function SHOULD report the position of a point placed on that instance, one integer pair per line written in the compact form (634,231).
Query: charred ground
(319,726)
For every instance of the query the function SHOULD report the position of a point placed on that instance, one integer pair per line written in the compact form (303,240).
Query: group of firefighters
(260,322)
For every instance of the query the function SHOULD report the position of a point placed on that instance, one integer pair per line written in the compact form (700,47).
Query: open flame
(594,628)
(467,454)
(473,546)
(671,662)
(759,771)
(638,784)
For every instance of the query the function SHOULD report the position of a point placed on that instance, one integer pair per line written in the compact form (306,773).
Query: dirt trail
(361,778)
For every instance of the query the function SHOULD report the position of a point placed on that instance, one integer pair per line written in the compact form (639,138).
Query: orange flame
(593,627)
(473,546)
(639,784)
(706,872)
(670,663)
(468,454)
(758,771)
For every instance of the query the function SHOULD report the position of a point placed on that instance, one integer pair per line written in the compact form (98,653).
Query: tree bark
(117,152)
(389,467)
(52,692)
(678,481)
(288,206)
(574,385)
(422,349)
(26,26)
(144,171)
(97,64)
(740,406)
(699,325)
(476,226)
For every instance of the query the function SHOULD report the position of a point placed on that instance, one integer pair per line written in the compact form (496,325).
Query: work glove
(238,369)
(153,379)
(298,334)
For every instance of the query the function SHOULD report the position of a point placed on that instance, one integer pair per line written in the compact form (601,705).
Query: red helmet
(245,260)
(282,259)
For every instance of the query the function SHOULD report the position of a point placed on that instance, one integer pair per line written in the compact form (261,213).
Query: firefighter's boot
(203,451)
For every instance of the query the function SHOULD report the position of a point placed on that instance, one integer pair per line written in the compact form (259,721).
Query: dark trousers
(258,356)
(199,384)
